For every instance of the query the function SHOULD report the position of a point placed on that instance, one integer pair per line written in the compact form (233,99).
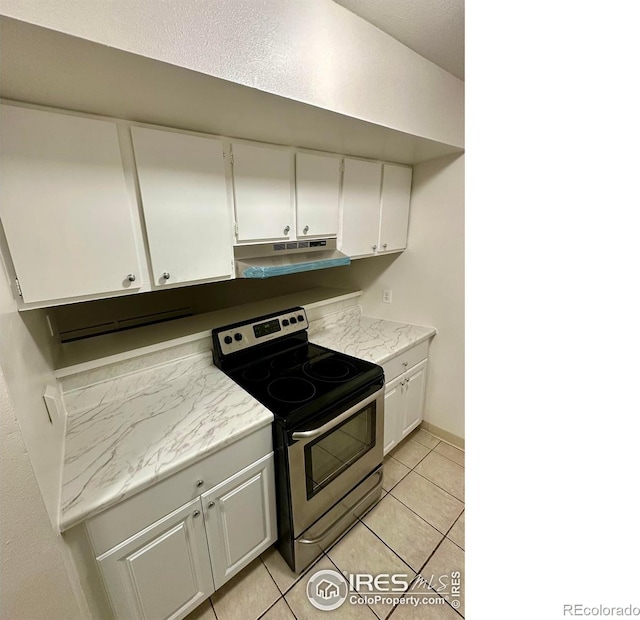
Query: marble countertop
(126,433)
(375,340)
(128,438)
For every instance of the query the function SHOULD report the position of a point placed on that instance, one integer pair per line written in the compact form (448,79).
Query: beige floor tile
(409,453)
(363,552)
(423,437)
(427,611)
(455,454)
(279,569)
(304,610)
(394,471)
(280,611)
(412,538)
(447,559)
(434,505)
(248,595)
(456,533)
(203,612)
(443,472)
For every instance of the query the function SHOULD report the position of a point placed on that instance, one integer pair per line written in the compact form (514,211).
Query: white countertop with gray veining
(134,432)
(126,433)
(375,340)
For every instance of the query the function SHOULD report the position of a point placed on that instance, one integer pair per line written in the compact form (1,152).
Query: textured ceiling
(432,28)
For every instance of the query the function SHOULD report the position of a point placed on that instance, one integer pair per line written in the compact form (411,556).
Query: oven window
(330,455)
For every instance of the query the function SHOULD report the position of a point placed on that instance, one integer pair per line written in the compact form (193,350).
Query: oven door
(326,462)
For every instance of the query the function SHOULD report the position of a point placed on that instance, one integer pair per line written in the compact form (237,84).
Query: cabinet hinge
(18,287)
(342,167)
(236,228)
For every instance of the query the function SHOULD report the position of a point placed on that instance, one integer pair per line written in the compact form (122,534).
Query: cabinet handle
(131,277)
(402,382)
(211,504)
(196,513)
(405,364)
(305,230)
(384,246)
(199,483)
(374,247)
(166,275)
(287,229)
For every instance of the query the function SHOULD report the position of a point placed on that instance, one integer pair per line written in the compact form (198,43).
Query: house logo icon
(327,590)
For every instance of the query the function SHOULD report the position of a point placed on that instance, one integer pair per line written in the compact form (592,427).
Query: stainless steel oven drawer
(324,532)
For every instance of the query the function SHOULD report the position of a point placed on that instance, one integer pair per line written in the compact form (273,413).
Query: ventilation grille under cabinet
(124,323)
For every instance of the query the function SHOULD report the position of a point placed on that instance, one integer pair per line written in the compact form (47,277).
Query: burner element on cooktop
(334,370)
(291,390)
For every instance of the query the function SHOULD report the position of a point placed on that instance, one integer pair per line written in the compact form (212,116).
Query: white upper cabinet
(360,207)
(394,208)
(317,195)
(64,205)
(263,185)
(186,211)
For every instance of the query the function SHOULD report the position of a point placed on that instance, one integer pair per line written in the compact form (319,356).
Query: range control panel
(246,335)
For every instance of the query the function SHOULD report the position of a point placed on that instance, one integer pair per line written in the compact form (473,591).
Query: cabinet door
(241,518)
(64,205)
(393,414)
(263,187)
(162,572)
(317,195)
(360,207)
(394,208)
(184,198)
(415,384)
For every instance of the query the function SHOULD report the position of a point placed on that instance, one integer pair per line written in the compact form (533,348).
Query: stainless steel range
(329,419)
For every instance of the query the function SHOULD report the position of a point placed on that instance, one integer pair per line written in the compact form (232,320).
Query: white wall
(313,51)
(34,584)
(26,362)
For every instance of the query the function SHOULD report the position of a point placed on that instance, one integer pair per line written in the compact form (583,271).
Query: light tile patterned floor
(416,528)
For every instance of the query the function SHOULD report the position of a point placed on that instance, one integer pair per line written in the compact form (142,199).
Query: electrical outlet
(386,297)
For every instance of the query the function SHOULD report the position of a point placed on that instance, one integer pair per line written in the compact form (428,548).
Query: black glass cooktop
(301,382)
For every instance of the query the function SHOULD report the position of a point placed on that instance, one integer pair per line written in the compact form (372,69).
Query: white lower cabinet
(169,567)
(240,517)
(414,390)
(163,571)
(404,404)
(393,401)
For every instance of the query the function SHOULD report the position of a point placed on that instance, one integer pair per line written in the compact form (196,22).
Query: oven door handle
(316,432)
(350,511)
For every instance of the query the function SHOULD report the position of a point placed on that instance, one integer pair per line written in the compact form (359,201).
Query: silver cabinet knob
(287,229)
(374,247)
(211,504)
(405,364)
(305,230)
(402,382)
(131,277)
(199,483)
(166,275)
(196,513)
(384,246)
